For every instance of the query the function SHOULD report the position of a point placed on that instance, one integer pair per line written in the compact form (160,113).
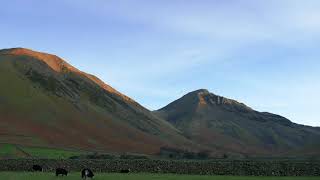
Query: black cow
(61,171)
(37,168)
(86,173)
(125,171)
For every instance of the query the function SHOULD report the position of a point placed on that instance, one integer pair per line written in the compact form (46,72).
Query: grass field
(74,176)
(14,151)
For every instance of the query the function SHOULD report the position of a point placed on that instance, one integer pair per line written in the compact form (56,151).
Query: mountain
(46,102)
(234,128)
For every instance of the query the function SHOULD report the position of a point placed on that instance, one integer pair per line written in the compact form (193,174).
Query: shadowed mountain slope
(227,125)
(46,102)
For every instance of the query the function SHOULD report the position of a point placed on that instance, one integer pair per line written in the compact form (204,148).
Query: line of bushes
(239,168)
(97,156)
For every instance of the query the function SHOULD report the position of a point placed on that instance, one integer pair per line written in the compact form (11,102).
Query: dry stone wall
(243,168)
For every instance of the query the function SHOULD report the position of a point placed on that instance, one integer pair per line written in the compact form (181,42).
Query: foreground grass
(105,176)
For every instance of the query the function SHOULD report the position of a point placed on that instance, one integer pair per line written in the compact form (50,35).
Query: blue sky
(264,53)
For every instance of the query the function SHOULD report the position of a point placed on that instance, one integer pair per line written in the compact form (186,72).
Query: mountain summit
(58,65)
(230,126)
(52,61)
(204,98)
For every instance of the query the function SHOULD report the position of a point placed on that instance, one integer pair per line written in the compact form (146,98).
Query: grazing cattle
(87,173)
(125,171)
(61,171)
(37,168)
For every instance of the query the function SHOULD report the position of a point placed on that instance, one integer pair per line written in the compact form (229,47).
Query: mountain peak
(204,98)
(201,94)
(17,50)
(53,61)
(201,91)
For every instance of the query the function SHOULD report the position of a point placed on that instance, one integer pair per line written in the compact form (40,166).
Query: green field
(16,151)
(74,176)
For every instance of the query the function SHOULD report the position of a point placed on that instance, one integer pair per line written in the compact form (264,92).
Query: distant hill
(234,128)
(46,102)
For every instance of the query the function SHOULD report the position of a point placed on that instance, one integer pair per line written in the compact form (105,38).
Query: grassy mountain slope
(230,126)
(46,102)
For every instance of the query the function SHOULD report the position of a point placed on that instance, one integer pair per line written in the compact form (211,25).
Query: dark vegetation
(174,153)
(109,156)
(165,153)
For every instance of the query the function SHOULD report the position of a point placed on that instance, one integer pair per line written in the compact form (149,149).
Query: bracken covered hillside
(46,102)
